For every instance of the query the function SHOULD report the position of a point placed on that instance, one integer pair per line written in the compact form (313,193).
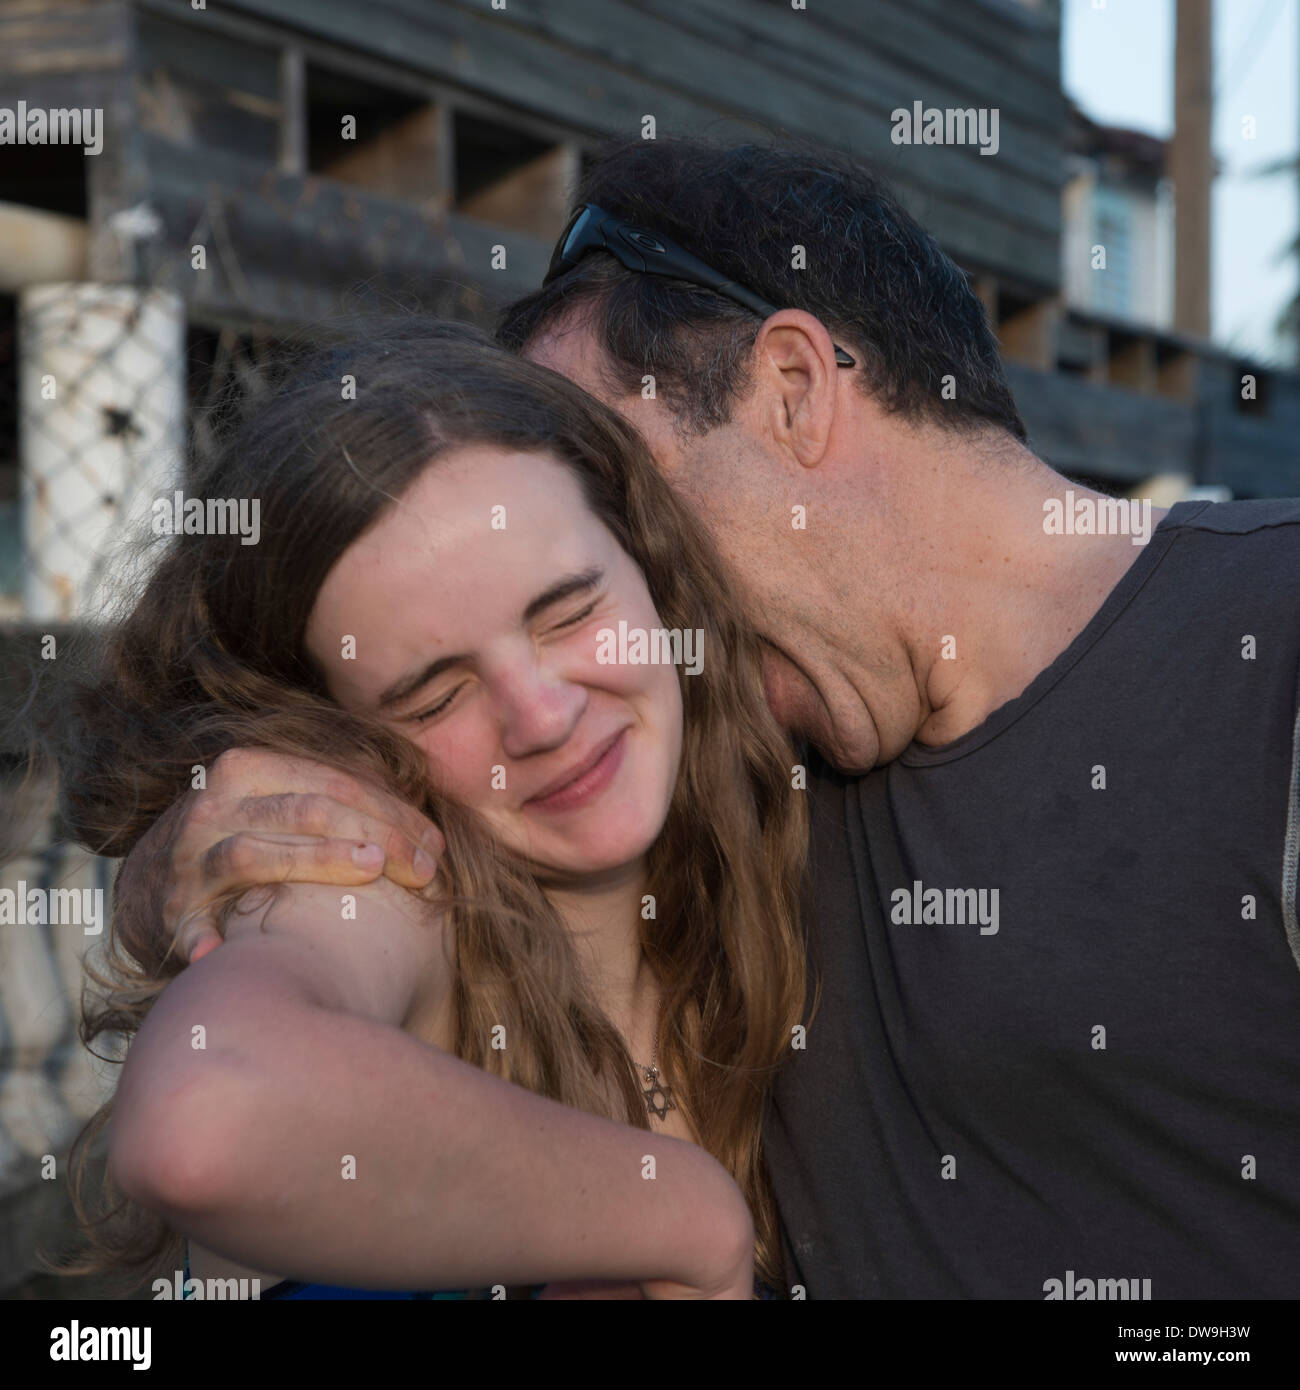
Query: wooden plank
(1277,391)
(1026,82)
(293,112)
(849,80)
(989,241)
(840,93)
(350,61)
(877,50)
(401,161)
(192,51)
(977,229)
(1176,376)
(1078,342)
(1133,364)
(545,74)
(207,89)
(1218,388)
(1030,335)
(1097,431)
(81,88)
(288,248)
(1284,400)
(173,177)
(986,291)
(63,36)
(785,70)
(1033,44)
(1255,458)
(204,117)
(443,193)
(493,57)
(534,198)
(38,247)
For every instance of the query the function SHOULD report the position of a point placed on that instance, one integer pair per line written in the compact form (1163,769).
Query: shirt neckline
(1125,591)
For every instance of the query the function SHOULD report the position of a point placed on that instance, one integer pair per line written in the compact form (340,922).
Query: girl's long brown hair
(212,657)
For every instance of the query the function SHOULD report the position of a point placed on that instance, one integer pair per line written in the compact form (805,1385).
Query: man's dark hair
(878,281)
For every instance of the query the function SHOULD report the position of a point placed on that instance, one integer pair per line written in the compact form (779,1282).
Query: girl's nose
(538,710)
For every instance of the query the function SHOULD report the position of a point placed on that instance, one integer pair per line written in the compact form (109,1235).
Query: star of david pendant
(658,1098)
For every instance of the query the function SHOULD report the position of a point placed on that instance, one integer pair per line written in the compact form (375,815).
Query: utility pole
(1191,164)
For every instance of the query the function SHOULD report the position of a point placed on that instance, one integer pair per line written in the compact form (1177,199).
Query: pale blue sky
(1117,64)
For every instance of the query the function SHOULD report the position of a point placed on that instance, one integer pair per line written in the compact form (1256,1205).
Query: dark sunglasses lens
(571,243)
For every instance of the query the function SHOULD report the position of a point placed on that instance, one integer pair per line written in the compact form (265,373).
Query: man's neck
(1012,593)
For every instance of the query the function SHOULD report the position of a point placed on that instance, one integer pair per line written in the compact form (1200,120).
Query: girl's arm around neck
(308,1134)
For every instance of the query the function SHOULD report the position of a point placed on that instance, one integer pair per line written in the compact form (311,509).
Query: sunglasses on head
(593,229)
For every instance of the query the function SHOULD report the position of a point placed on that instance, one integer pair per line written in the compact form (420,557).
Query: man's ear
(799,383)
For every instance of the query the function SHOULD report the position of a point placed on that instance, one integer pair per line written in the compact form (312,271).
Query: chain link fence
(50,1085)
(104,392)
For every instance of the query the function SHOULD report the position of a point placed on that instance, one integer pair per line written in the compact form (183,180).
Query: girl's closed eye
(444,704)
(439,708)
(577,617)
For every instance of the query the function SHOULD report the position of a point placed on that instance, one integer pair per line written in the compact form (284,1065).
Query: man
(1056,777)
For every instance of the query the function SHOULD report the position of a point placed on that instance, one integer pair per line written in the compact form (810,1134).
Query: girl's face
(468,619)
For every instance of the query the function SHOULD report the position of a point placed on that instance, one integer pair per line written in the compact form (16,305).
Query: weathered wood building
(225,129)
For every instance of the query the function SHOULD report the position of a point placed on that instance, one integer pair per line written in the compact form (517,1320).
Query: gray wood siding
(289,248)
(39,40)
(737,68)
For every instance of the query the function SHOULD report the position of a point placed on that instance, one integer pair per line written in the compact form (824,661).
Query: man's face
(749,504)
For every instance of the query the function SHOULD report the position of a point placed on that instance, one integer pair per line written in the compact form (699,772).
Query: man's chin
(850,762)
(800,710)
